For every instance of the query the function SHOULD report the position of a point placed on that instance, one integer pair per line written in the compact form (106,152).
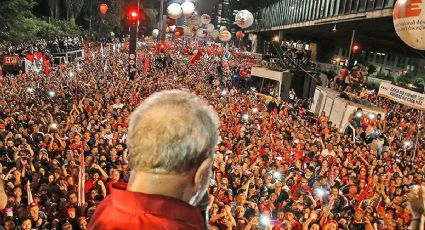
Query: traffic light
(356,48)
(133,15)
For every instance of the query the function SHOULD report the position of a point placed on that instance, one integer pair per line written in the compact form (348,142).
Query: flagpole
(81,182)
(29,194)
(419,125)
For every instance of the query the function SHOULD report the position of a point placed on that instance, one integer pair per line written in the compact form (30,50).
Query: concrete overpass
(314,21)
(287,14)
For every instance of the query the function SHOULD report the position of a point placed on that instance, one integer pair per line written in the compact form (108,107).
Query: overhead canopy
(268,74)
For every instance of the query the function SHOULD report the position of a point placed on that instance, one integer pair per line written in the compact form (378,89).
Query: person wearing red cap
(171,141)
(38,217)
(72,217)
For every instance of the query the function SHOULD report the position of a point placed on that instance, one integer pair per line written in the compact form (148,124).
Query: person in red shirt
(171,141)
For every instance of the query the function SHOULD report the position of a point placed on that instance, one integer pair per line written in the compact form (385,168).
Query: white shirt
(118,106)
(326,152)
(292,95)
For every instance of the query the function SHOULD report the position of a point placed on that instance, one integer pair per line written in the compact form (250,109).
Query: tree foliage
(18,24)
(371,69)
(54,8)
(12,12)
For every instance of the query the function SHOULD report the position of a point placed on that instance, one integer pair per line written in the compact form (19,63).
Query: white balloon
(188,8)
(225,36)
(174,11)
(201,33)
(173,27)
(407,23)
(244,19)
(223,28)
(155,33)
(205,19)
(209,28)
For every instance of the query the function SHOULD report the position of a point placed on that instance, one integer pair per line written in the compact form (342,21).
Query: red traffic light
(356,47)
(133,14)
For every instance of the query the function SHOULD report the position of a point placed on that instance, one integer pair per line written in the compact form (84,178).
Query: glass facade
(285,12)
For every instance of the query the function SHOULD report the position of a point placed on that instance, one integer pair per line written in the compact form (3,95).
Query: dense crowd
(271,170)
(56,45)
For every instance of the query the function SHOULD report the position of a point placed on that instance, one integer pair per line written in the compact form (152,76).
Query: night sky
(202,6)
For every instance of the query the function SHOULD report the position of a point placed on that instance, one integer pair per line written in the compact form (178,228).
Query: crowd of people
(57,45)
(271,170)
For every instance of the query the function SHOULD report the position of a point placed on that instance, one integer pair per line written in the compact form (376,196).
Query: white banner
(403,96)
(35,66)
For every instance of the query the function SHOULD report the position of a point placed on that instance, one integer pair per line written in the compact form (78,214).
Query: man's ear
(204,170)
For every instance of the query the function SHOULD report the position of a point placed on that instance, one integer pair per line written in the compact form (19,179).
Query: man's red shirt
(131,210)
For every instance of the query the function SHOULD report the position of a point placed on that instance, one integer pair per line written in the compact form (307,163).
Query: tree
(151,15)
(371,69)
(420,83)
(18,24)
(54,8)
(115,17)
(73,9)
(12,17)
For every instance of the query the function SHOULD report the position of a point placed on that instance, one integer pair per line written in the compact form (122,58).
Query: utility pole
(161,20)
(351,43)
(133,17)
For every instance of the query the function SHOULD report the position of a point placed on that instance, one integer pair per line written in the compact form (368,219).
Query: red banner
(46,65)
(10,60)
(146,67)
(196,57)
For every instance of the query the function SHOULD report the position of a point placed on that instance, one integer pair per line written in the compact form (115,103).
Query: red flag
(46,65)
(146,64)
(81,180)
(196,57)
(38,55)
(30,57)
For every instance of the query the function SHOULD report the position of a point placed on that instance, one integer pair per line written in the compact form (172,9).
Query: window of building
(341,7)
(370,5)
(390,60)
(348,4)
(379,4)
(362,5)
(355,7)
(331,8)
(389,3)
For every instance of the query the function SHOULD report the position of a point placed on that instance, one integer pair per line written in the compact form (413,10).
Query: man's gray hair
(171,132)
